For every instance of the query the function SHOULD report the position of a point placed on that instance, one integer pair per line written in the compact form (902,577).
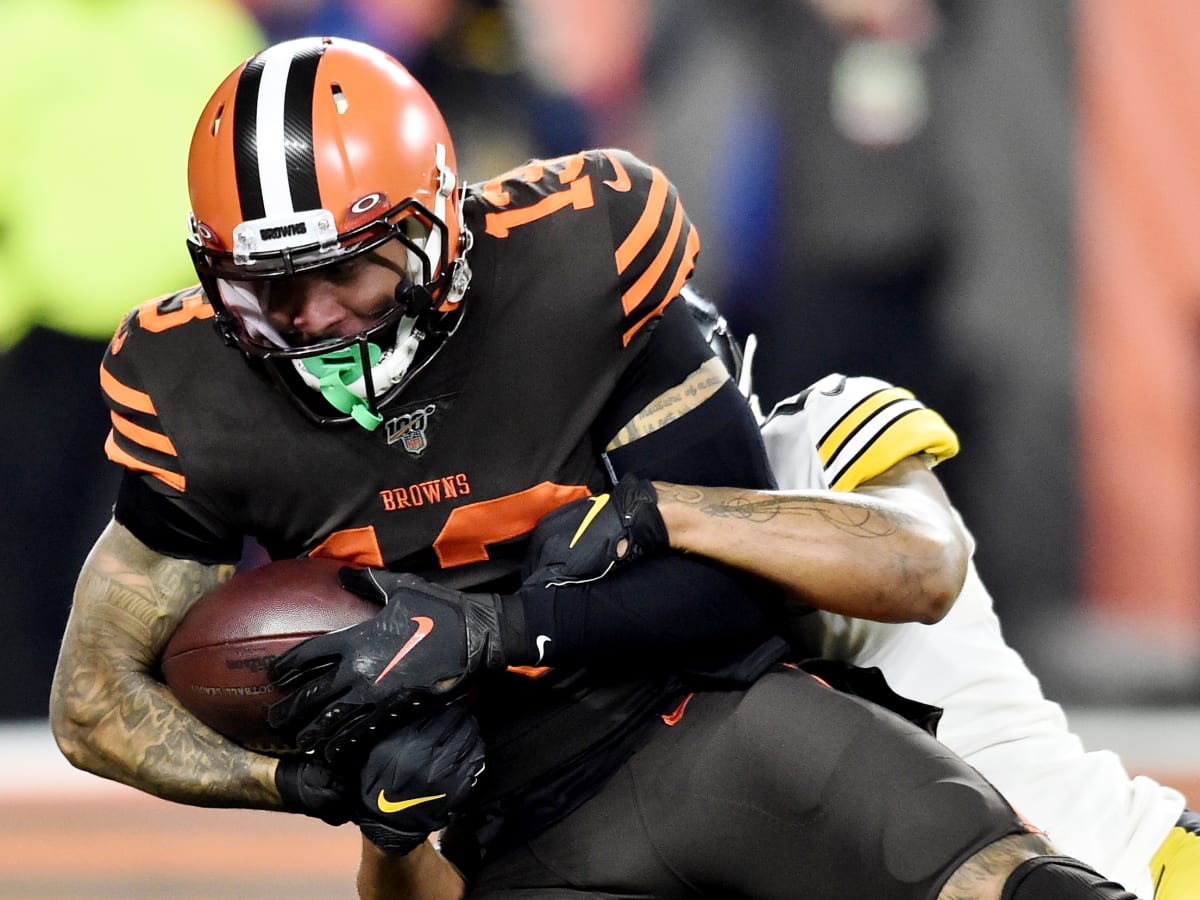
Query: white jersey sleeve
(843,431)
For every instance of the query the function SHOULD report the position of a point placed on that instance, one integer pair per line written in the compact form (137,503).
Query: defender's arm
(892,550)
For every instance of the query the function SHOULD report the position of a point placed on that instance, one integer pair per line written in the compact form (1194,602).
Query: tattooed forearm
(891,550)
(111,715)
(851,516)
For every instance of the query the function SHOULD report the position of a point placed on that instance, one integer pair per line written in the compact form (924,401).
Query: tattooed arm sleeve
(109,713)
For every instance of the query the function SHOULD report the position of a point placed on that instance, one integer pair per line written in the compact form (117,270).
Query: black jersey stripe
(245,140)
(298,128)
(125,453)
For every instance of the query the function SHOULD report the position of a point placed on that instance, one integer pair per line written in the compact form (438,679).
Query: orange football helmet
(311,152)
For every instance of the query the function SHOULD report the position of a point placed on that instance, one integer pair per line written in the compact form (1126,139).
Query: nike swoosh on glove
(416,778)
(585,539)
(343,686)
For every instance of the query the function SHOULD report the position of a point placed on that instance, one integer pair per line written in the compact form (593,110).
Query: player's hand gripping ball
(344,686)
(216,662)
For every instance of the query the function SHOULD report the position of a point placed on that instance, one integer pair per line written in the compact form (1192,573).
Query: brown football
(216,661)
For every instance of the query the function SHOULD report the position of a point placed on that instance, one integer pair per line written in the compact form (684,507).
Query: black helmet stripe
(273,148)
(245,142)
(298,128)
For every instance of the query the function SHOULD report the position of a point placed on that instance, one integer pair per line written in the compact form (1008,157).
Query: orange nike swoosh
(395,806)
(676,716)
(621,182)
(424,627)
(598,503)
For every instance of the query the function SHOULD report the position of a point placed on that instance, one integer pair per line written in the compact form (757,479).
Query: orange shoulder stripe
(125,395)
(639,290)
(117,455)
(681,275)
(656,202)
(152,440)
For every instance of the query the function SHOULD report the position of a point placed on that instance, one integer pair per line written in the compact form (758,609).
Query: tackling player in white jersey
(841,433)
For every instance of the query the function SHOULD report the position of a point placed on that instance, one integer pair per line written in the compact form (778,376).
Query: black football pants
(786,790)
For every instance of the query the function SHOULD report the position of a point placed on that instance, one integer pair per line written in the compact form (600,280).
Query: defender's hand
(421,646)
(417,777)
(583,540)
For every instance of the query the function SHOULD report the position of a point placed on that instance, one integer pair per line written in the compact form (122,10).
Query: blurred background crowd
(992,204)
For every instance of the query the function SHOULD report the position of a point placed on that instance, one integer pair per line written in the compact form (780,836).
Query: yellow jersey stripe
(845,428)
(920,430)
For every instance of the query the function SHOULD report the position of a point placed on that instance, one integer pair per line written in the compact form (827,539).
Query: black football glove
(421,646)
(583,540)
(417,777)
(307,785)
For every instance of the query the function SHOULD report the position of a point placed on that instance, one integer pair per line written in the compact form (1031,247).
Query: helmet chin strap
(335,372)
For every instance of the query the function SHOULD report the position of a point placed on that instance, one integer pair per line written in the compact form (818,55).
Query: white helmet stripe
(272,158)
(276,168)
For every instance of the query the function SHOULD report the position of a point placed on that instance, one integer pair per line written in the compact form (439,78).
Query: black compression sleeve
(716,444)
(681,609)
(719,445)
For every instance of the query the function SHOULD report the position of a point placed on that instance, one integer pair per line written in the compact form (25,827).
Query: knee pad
(1060,878)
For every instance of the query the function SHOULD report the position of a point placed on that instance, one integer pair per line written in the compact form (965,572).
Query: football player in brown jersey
(406,374)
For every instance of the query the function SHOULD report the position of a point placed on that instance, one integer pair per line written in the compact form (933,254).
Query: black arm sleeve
(687,611)
(718,444)
(684,608)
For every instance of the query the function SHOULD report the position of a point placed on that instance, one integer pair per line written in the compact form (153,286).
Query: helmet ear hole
(340,103)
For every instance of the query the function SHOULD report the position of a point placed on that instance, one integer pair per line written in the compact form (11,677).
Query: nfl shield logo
(409,429)
(414,440)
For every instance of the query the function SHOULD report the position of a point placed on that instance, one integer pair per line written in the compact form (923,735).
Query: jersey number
(469,529)
(177,309)
(573,192)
